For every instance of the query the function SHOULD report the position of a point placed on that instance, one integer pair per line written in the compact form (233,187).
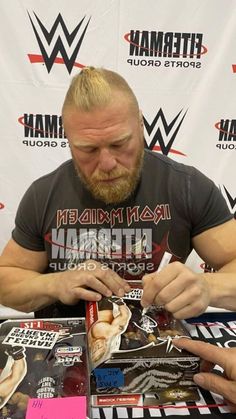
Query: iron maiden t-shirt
(172,203)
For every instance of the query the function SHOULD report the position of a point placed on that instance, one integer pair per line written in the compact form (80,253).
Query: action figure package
(43,358)
(132,354)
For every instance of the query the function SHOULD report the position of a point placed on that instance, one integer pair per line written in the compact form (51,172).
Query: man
(12,374)
(79,230)
(225,358)
(104,336)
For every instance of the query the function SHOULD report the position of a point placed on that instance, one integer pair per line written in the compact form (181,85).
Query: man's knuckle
(196,290)
(176,265)
(157,287)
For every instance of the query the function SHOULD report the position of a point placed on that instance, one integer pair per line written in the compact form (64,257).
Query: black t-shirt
(172,203)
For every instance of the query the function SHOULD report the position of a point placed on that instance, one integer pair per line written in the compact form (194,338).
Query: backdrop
(178,56)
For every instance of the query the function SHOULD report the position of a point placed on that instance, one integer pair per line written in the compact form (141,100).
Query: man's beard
(117,191)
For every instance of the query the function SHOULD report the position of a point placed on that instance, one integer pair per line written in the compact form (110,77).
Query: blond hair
(94,87)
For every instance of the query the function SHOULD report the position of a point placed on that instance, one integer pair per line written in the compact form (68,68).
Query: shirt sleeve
(27,232)
(207,205)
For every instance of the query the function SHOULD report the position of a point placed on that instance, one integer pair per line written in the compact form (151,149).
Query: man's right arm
(122,319)
(26,287)
(23,284)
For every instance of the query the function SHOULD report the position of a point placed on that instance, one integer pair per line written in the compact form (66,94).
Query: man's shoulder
(161,162)
(60,173)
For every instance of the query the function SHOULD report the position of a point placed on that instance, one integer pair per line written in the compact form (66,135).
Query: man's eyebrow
(122,138)
(84,143)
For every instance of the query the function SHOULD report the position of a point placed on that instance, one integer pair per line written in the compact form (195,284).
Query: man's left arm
(185,293)
(217,247)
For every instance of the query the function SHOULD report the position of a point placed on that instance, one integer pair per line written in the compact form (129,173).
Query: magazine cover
(41,359)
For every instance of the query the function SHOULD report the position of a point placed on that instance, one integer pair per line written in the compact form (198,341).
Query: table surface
(214,327)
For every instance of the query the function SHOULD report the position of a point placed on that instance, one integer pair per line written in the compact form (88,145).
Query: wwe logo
(159,130)
(52,41)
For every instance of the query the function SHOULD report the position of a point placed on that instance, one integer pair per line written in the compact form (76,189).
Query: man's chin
(111,192)
(109,197)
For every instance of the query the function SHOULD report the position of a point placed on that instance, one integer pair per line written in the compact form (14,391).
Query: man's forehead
(114,110)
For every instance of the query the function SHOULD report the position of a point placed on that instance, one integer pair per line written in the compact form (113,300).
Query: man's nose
(107,161)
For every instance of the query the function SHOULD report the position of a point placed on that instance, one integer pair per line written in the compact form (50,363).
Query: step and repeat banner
(178,56)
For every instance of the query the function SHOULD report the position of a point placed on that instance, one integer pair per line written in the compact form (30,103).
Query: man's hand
(181,291)
(88,282)
(212,355)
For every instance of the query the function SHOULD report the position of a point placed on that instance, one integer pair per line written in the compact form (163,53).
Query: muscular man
(12,374)
(114,185)
(104,335)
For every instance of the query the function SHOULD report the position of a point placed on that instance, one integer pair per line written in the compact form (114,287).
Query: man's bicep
(123,317)
(17,256)
(217,246)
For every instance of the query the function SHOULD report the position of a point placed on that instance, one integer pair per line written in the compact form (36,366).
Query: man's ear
(141,118)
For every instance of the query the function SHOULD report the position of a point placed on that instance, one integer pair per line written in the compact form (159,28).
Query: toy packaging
(41,359)
(132,354)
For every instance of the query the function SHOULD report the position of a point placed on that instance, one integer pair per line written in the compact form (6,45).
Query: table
(218,328)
